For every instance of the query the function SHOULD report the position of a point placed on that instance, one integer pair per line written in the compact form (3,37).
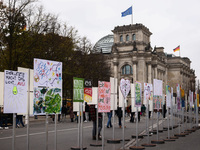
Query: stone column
(115,69)
(149,73)
(156,72)
(134,71)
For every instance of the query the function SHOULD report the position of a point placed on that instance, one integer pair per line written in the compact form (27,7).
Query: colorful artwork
(148,92)
(125,87)
(168,96)
(197,100)
(78,91)
(178,98)
(157,87)
(104,90)
(182,98)
(15,92)
(138,94)
(88,95)
(157,102)
(47,73)
(191,98)
(46,100)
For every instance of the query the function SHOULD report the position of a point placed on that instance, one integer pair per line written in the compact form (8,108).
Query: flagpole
(132,16)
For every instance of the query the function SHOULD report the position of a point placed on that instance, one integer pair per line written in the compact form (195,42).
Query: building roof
(104,45)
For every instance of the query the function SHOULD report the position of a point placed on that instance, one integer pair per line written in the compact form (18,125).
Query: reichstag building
(129,54)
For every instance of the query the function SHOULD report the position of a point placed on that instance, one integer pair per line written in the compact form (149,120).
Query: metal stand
(14,124)
(46,129)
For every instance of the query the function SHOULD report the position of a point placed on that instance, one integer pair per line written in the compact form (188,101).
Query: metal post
(136,126)
(28,113)
(157,124)
(79,119)
(123,123)
(55,142)
(46,140)
(103,132)
(81,139)
(168,122)
(147,124)
(97,123)
(14,124)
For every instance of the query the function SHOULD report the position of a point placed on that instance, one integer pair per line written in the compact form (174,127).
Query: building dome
(104,45)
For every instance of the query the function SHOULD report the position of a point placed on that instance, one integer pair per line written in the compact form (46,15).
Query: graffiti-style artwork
(168,96)
(138,92)
(88,95)
(148,92)
(15,92)
(178,98)
(104,90)
(191,98)
(125,87)
(47,73)
(157,102)
(157,87)
(182,98)
(78,90)
(47,100)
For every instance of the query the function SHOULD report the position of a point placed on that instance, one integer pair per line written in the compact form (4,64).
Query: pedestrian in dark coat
(71,114)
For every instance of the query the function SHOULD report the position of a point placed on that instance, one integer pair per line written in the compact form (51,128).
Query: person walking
(132,115)
(87,109)
(19,120)
(3,119)
(94,120)
(119,114)
(71,114)
(109,119)
(64,112)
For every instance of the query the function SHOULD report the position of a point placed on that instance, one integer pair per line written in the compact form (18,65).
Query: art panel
(138,94)
(148,92)
(182,98)
(178,98)
(78,89)
(104,90)
(47,73)
(15,92)
(168,96)
(157,103)
(157,87)
(47,100)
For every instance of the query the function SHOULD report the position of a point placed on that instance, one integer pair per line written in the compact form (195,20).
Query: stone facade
(133,58)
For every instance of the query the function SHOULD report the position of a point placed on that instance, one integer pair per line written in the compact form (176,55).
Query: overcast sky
(172,22)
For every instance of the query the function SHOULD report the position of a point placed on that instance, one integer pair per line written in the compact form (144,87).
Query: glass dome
(104,45)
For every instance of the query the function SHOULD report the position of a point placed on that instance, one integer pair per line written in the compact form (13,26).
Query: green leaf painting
(53,100)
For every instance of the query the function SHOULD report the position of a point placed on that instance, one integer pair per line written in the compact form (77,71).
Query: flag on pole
(177,48)
(127,12)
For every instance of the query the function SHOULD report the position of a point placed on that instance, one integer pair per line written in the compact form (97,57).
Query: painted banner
(168,96)
(182,98)
(138,94)
(15,92)
(191,98)
(113,98)
(157,87)
(78,91)
(178,98)
(125,87)
(88,95)
(47,73)
(172,98)
(46,100)
(104,90)
(157,102)
(148,92)
(1,87)
(88,90)
(197,100)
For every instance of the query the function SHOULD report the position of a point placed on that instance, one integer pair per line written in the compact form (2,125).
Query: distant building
(131,56)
